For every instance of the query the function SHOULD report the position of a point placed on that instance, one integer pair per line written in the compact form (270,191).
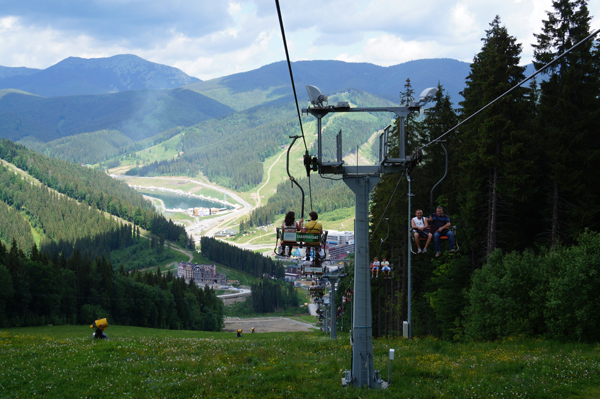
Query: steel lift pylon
(361,179)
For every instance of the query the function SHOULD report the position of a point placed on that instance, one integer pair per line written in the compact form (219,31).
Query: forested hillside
(38,290)
(136,114)
(240,259)
(86,148)
(518,190)
(230,150)
(327,195)
(56,216)
(60,218)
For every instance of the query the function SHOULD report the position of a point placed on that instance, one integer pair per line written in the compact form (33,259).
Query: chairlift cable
(287,55)
(513,88)
(488,105)
(330,178)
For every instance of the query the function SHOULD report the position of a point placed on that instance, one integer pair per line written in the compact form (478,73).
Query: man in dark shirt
(440,224)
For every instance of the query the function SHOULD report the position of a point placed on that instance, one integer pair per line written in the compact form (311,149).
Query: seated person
(420,228)
(312,226)
(375,268)
(289,224)
(441,224)
(385,267)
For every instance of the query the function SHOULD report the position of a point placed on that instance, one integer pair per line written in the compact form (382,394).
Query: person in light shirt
(385,267)
(421,229)
(375,268)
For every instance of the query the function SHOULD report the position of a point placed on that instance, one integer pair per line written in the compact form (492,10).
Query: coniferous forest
(219,147)
(240,259)
(327,195)
(519,189)
(268,296)
(40,290)
(68,277)
(58,215)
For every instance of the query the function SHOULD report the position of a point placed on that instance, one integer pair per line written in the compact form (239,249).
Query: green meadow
(64,362)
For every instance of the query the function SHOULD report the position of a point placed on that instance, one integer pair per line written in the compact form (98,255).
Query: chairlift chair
(291,237)
(424,240)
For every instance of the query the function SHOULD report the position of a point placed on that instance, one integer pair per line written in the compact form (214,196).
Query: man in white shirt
(420,229)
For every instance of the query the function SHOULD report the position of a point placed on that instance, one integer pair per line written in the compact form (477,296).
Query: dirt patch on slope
(265,324)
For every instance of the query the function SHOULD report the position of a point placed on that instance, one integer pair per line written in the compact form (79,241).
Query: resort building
(201,274)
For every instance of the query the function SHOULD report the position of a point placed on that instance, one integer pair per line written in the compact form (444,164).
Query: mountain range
(78,76)
(138,114)
(272,82)
(119,101)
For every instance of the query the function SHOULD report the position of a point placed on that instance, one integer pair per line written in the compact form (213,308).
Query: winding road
(209,227)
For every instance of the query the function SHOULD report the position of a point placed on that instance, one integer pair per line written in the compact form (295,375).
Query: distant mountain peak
(80,76)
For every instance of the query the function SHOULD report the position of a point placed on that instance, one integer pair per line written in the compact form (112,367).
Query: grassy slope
(159,152)
(238,100)
(64,362)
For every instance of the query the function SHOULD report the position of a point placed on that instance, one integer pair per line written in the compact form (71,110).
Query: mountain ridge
(137,114)
(82,76)
(331,75)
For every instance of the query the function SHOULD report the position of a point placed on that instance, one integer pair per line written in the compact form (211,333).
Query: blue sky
(212,38)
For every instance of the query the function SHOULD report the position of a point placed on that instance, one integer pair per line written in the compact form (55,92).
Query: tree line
(87,148)
(61,219)
(39,290)
(268,296)
(518,189)
(327,195)
(240,259)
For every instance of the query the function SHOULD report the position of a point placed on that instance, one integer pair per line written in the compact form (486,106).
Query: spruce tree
(569,121)
(438,119)
(494,173)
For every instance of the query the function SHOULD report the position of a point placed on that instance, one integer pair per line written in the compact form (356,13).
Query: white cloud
(463,23)
(208,39)
(389,50)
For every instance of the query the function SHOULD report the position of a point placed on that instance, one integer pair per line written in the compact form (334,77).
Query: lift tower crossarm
(395,165)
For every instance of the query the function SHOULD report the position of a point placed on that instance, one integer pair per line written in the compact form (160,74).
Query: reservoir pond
(174,201)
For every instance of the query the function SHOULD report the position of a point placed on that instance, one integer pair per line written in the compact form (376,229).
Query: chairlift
(451,228)
(291,237)
(424,240)
(313,243)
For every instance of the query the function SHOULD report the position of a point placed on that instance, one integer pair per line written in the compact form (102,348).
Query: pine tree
(569,120)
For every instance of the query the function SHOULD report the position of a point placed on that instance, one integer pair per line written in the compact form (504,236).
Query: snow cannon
(99,325)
